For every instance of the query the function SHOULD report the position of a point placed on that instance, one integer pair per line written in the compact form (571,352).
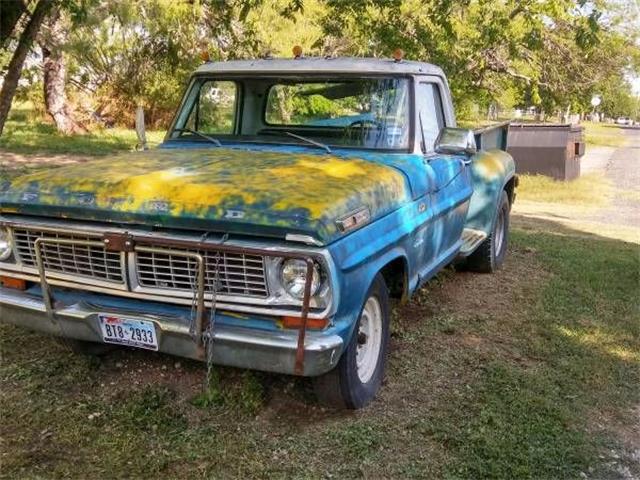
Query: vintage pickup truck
(290,199)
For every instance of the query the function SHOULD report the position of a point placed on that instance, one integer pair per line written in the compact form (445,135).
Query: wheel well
(510,188)
(395,276)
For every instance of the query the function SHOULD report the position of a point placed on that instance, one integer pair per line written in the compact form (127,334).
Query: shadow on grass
(538,422)
(499,376)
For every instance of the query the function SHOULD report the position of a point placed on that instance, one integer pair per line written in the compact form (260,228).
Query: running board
(471,239)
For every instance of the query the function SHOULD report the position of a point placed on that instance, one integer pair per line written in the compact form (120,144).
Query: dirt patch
(621,460)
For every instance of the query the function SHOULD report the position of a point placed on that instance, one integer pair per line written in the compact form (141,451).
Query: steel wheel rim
(369,339)
(499,233)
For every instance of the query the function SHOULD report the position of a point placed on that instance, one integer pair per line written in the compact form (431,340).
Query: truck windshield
(350,113)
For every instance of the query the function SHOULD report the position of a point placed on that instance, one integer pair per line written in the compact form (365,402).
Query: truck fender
(357,282)
(490,172)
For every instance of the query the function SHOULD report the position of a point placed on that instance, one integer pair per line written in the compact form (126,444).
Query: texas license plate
(127,331)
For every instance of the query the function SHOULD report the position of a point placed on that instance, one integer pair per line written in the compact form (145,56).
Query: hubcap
(499,233)
(369,339)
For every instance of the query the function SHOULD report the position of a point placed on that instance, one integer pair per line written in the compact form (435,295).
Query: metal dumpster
(553,150)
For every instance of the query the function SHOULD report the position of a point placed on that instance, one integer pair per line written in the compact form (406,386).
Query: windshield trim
(232,143)
(325,76)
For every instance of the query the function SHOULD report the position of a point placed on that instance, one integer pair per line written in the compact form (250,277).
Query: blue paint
(446,196)
(423,229)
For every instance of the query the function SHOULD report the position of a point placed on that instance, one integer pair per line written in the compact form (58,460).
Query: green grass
(603,135)
(24,133)
(525,374)
(588,190)
(529,373)
(533,422)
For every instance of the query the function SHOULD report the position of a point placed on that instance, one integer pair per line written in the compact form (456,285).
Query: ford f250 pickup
(289,201)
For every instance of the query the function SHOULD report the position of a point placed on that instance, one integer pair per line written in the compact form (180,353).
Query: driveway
(623,169)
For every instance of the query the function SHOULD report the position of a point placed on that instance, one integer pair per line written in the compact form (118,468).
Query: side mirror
(456,141)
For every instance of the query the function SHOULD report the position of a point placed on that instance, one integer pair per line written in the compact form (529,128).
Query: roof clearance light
(204,56)
(398,54)
(297,51)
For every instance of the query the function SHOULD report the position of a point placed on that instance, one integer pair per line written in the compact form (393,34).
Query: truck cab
(289,201)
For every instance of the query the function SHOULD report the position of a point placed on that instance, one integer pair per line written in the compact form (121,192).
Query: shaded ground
(532,372)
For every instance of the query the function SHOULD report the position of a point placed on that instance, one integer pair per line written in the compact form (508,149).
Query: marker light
(398,54)
(313,323)
(297,51)
(18,284)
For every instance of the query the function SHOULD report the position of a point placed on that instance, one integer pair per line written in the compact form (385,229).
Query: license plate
(128,331)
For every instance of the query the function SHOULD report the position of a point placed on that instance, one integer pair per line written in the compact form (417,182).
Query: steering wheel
(359,126)
(362,123)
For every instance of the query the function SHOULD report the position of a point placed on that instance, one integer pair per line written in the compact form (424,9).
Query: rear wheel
(490,255)
(357,378)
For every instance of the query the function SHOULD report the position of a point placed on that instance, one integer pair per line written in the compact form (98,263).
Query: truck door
(449,197)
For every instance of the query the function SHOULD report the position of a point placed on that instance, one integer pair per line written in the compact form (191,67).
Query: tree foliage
(553,54)
(550,54)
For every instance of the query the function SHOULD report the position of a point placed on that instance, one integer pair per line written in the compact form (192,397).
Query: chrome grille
(78,260)
(238,274)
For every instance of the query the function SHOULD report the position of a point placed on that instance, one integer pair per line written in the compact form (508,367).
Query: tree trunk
(10,13)
(55,75)
(15,65)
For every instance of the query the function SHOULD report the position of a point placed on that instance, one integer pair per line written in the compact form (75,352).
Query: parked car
(624,121)
(268,232)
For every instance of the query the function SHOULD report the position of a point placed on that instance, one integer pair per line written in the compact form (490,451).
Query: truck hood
(226,190)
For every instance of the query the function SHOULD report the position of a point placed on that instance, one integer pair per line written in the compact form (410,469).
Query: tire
(91,349)
(349,386)
(489,256)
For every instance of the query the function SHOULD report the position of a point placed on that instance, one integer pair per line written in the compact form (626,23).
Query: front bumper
(237,346)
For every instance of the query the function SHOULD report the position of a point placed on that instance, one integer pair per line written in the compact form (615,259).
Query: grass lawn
(25,134)
(603,134)
(533,372)
(530,373)
(590,190)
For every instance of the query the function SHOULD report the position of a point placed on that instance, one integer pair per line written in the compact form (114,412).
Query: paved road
(623,169)
(619,218)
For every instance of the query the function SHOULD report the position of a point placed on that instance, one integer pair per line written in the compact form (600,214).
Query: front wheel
(357,378)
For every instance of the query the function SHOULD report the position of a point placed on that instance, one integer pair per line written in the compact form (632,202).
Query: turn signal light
(11,282)
(296,322)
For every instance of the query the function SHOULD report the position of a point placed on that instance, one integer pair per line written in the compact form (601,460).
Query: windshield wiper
(309,141)
(215,141)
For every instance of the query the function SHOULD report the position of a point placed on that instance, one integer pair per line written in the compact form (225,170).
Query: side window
(215,108)
(431,116)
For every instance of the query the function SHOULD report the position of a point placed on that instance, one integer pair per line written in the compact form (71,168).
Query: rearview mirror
(456,141)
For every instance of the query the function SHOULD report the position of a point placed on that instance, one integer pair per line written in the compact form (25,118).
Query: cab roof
(322,65)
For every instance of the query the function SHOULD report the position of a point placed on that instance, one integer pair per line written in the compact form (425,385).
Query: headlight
(5,244)
(293,275)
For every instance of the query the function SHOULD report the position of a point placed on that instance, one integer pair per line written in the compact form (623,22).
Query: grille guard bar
(129,243)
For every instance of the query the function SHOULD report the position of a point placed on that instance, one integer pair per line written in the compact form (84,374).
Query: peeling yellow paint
(489,165)
(195,182)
